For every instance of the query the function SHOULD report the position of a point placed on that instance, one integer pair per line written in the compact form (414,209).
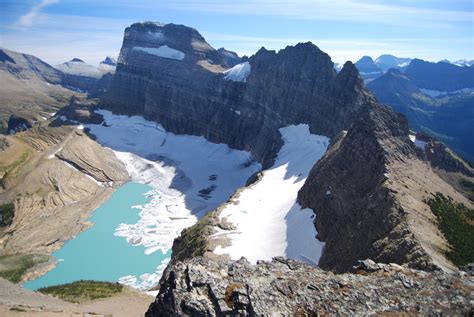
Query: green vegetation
(456,222)
(13,267)
(25,156)
(7,211)
(193,240)
(468,186)
(81,291)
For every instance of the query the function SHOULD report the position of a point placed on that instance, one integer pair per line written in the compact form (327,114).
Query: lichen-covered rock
(206,287)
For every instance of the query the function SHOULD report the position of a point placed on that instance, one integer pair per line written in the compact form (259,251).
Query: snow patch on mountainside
(268,220)
(239,72)
(162,51)
(79,68)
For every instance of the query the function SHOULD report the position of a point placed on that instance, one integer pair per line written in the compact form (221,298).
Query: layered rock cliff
(170,74)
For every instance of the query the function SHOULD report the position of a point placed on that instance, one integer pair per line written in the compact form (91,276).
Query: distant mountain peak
(76,60)
(109,61)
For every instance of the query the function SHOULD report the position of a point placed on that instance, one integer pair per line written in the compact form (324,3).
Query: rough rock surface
(368,192)
(79,110)
(190,96)
(205,287)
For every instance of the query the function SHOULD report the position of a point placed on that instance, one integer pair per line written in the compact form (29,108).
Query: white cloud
(28,19)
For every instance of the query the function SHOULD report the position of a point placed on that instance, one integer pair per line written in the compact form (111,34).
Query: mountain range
(340,213)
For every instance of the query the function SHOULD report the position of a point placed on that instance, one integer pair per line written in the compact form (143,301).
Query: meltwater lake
(97,254)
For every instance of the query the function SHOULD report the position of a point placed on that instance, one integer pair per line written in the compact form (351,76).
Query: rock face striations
(169,73)
(205,287)
(368,191)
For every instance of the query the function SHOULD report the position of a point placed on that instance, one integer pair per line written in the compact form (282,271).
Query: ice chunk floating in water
(269,222)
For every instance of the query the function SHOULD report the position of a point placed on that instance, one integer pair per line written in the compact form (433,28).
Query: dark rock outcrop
(205,287)
(357,214)
(231,58)
(79,110)
(191,95)
(17,124)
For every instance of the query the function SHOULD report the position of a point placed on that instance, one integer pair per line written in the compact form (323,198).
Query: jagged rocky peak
(349,76)
(232,58)
(303,60)
(109,61)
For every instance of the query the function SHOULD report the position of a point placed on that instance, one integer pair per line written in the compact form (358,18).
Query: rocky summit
(205,287)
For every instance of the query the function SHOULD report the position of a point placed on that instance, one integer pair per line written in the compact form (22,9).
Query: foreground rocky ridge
(206,287)
(190,95)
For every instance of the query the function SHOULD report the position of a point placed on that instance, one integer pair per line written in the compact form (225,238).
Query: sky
(59,30)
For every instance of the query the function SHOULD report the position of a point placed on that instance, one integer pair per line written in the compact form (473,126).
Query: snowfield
(162,51)
(239,72)
(189,176)
(268,220)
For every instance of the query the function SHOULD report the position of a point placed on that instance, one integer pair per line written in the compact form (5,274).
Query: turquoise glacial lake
(96,254)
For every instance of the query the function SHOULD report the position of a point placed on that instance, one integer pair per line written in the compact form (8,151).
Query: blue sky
(58,30)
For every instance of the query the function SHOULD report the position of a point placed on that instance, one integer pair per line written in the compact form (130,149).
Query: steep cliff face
(205,287)
(367,193)
(170,74)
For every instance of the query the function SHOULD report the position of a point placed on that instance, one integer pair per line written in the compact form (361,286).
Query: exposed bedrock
(206,287)
(192,96)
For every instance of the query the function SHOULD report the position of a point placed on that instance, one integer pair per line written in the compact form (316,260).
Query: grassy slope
(13,267)
(81,291)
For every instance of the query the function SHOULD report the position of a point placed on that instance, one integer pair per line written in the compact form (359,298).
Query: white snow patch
(162,51)
(177,167)
(418,143)
(269,222)
(51,156)
(153,293)
(239,72)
